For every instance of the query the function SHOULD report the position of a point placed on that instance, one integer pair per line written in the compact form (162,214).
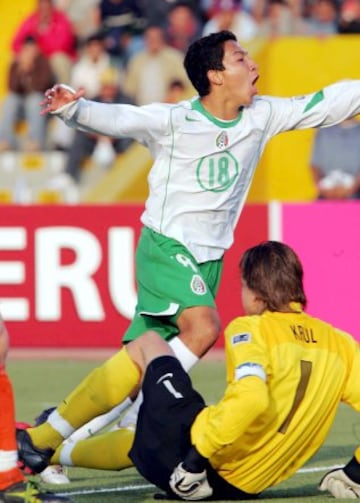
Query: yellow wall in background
(12,12)
(288,67)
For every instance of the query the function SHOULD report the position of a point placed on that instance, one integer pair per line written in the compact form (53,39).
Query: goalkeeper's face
(251,301)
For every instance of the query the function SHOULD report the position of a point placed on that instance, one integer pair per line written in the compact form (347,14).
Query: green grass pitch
(39,384)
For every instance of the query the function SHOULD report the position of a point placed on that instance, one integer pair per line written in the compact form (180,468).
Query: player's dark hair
(274,272)
(203,55)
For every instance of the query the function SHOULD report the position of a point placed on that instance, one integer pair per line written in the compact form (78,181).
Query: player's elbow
(252,402)
(257,397)
(261,399)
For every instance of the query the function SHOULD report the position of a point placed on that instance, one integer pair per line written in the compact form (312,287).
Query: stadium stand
(34,177)
(120,183)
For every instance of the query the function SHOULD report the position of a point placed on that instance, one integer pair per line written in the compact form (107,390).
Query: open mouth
(253,84)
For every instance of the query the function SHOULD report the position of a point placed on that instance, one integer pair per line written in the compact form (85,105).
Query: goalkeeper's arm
(343,482)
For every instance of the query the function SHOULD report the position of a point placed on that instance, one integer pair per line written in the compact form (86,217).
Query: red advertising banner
(67,275)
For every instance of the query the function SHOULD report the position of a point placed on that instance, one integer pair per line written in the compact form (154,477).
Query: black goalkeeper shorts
(170,405)
(162,437)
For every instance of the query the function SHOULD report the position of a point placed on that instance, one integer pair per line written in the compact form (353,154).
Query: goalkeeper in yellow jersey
(287,373)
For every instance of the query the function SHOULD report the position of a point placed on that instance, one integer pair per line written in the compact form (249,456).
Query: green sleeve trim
(319,96)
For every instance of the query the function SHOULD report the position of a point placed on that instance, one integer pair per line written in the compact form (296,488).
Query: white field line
(313,469)
(138,487)
(121,489)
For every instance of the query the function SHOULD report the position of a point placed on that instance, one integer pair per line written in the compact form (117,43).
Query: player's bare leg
(199,329)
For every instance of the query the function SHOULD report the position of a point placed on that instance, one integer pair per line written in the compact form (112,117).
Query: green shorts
(169,280)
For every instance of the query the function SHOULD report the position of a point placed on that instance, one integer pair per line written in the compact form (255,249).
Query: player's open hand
(340,485)
(58,96)
(190,486)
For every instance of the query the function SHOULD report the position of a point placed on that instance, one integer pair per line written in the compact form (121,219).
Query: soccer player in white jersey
(205,152)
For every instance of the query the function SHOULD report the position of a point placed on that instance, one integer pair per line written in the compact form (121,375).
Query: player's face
(251,302)
(240,74)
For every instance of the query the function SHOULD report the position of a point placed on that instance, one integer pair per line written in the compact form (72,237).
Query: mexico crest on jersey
(198,285)
(222,140)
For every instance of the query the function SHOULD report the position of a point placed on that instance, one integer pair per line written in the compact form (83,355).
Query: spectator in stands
(54,34)
(102,149)
(349,21)
(183,26)
(30,75)
(176,91)
(335,161)
(323,18)
(86,72)
(81,15)
(156,11)
(150,72)
(93,61)
(228,15)
(122,22)
(277,18)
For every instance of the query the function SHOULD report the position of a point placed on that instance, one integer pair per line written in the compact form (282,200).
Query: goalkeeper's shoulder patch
(239,338)
(250,369)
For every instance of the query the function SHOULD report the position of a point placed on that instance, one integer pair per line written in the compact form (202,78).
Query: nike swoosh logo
(186,490)
(191,119)
(169,374)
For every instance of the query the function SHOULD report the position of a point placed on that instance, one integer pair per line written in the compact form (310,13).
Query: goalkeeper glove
(190,486)
(344,482)
(189,479)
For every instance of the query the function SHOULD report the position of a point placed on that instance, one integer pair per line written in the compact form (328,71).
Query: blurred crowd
(131,51)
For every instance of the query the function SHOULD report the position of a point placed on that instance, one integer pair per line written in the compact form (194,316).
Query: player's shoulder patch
(240,338)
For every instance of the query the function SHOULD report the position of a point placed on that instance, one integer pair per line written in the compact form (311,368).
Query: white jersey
(203,166)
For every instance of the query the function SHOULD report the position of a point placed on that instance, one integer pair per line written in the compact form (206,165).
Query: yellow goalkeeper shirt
(286,375)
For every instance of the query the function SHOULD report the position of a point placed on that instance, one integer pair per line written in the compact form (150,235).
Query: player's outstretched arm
(344,482)
(58,96)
